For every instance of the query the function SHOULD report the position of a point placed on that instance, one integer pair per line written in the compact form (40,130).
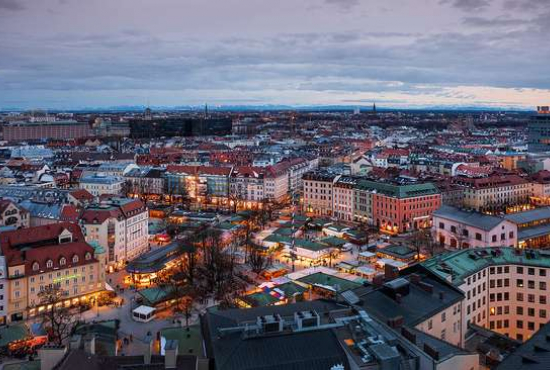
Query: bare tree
(258,260)
(58,321)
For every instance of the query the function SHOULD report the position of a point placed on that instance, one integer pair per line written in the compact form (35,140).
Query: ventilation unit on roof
(270,323)
(307,319)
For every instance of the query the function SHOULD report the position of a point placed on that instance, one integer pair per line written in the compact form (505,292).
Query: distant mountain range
(274,107)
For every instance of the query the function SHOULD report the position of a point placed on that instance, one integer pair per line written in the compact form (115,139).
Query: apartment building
(198,182)
(506,289)
(41,256)
(99,183)
(318,193)
(400,208)
(344,198)
(540,187)
(418,301)
(494,193)
(459,229)
(120,226)
(146,182)
(12,215)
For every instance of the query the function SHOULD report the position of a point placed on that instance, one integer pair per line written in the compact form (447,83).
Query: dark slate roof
(415,307)
(485,222)
(319,349)
(444,349)
(529,216)
(78,359)
(534,354)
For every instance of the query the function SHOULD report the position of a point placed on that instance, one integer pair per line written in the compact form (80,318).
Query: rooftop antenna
(206,111)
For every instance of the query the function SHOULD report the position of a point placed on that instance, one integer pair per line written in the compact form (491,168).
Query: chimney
(430,351)
(411,337)
(51,356)
(396,322)
(378,281)
(171,354)
(390,272)
(89,344)
(429,288)
(414,278)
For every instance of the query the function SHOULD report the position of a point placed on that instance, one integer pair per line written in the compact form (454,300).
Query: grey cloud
(494,22)
(527,5)
(345,4)
(468,5)
(12,5)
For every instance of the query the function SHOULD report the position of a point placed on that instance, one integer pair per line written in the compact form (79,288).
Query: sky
(398,53)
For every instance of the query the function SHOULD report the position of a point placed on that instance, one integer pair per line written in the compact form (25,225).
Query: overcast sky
(397,53)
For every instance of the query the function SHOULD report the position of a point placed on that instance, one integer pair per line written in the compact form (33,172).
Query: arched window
(75,259)
(35,266)
(62,261)
(88,256)
(49,264)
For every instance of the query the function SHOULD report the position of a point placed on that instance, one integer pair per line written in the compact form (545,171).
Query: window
(531,284)
(531,325)
(519,270)
(531,312)
(542,285)
(62,261)
(443,334)
(519,310)
(75,259)
(506,269)
(542,299)
(35,266)
(542,272)
(49,264)
(542,314)
(519,324)
(478,236)
(519,283)
(441,225)
(430,324)
(494,238)
(88,256)
(531,298)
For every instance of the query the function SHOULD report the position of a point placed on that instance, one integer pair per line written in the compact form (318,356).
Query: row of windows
(62,261)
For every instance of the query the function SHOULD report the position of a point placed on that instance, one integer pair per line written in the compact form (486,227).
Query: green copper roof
(456,266)
(398,191)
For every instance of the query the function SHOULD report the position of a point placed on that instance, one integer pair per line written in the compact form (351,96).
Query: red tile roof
(40,244)
(82,194)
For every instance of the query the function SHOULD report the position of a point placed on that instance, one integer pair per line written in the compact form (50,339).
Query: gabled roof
(470,218)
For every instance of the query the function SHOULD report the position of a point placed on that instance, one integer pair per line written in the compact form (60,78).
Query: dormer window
(62,261)
(75,259)
(35,266)
(49,264)
(65,237)
(88,256)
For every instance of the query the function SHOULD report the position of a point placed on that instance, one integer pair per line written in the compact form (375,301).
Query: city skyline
(65,54)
